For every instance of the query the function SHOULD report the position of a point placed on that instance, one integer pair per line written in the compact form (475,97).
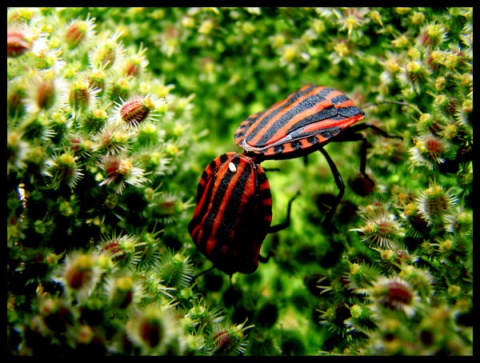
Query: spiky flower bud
(122,292)
(119,171)
(148,135)
(45,91)
(20,15)
(451,60)
(417,18)
(135,64)
(437,57)
(45,94)
(231,341)
(176,270)
(201,316)
(80,274)
(434,34)
(94,120)
(394,294)
(81,97)
(120,89)
(16,95)
(392,66)
(435,204)
(376,17)
(97,80)
(18,42)
(135,110)
(56,315)
(167,207)
(340,48)
(392,259)
(123,249)
(107,53)
(151,329)
(420,279)
(74,34)
(428,151)
(381,231)
(17,151)
(65,208)
(79,32)
(467,106)
(360,275)
(400,42)
(413,67)
(440,83)
(63,170)
(111,140)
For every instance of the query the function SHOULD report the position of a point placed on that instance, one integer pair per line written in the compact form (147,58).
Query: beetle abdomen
(233,213)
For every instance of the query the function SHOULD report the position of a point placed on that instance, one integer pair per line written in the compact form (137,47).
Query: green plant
(94,141)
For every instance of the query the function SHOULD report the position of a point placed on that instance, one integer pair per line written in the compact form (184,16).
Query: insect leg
(363,150)
(286,223)
(203,272)
(265,259)
(271,169)
(338,181)
(305,160)
(279,227)
(351,134)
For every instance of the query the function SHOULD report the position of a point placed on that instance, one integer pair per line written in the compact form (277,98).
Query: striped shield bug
(233,213)
(302,123)
(306,119)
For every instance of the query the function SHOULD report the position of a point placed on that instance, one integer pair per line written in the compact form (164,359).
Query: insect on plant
(233,213)
(234,203)
(302,123)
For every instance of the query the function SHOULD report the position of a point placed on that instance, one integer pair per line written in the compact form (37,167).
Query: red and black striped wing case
(298,124)
(233,213)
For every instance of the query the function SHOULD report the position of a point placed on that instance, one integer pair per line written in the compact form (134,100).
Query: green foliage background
(107,268)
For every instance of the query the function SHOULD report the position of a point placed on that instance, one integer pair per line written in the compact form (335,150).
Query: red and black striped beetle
(306,119)
(233,213)
(302,123)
